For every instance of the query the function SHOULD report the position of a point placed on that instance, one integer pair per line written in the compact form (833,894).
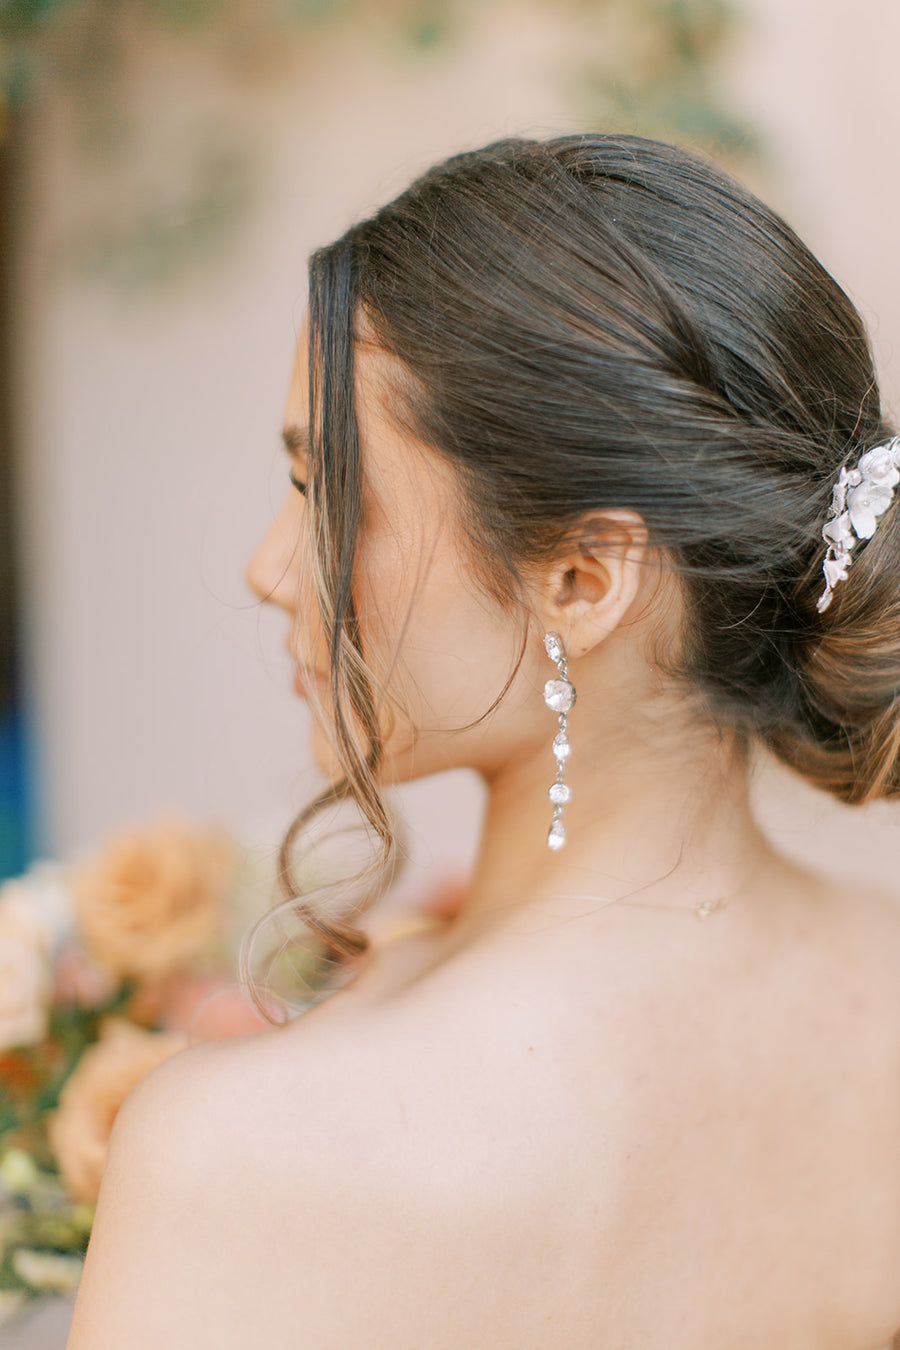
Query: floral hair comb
(860,496)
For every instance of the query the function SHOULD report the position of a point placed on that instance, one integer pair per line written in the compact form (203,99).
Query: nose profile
(273,572)
(253,576)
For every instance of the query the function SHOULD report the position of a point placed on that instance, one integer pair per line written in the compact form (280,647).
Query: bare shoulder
(382,1108)
(223,1112)
(217,1222)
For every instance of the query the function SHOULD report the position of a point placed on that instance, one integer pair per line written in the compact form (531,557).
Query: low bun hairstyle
(599,321)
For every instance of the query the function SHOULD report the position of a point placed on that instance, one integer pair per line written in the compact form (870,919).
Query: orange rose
(80,1128)
(152,899)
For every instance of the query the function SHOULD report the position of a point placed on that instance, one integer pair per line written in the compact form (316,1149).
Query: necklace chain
(406,925)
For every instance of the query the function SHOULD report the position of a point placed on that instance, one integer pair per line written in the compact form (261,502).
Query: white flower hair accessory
(860,496)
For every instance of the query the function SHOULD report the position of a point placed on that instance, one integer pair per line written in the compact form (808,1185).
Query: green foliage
(39,1221)
(33,1076)
(666,86)
(43,1234)
(649,67)
(165,238)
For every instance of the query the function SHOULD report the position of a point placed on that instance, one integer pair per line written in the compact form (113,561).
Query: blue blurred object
(17,741)
(16,793)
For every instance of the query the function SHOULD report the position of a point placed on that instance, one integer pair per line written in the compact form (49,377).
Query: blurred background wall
(157,281)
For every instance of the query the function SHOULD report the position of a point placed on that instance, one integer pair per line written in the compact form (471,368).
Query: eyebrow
(295,438)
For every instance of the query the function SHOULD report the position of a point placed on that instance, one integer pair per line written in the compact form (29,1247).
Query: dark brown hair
(598,321)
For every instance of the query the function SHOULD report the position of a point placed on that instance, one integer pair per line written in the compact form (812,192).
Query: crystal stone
(559,793)
(557,836)
(561,747)
(559,695)
(553,646)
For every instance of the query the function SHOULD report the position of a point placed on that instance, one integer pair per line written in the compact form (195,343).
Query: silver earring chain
(559,695)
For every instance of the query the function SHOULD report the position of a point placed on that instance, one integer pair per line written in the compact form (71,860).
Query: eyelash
(301,487)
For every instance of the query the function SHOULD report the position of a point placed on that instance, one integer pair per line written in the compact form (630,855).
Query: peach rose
(25,979)
(152,900)
(80,1128)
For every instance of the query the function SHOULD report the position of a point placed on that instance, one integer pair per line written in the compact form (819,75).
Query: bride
(567,422)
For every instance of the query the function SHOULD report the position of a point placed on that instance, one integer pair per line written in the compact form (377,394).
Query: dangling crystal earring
(560,696)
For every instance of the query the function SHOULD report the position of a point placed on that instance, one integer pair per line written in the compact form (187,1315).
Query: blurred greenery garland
(650,67)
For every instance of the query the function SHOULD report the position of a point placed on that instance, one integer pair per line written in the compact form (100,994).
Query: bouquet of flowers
(107,966)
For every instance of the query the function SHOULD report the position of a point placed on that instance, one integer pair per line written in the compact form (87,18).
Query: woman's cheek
(394,731)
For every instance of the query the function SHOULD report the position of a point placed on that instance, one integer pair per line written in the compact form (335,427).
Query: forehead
(391,455)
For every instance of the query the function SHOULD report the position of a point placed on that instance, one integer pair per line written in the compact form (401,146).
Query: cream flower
(47,1271)
(25,979)
(44,890)
(18,1171)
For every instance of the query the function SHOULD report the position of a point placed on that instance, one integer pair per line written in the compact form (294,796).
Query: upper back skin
(633,1129)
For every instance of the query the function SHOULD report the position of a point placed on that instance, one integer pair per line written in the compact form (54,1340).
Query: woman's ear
(588,589)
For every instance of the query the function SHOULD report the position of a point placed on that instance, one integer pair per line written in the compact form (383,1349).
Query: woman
(568,421)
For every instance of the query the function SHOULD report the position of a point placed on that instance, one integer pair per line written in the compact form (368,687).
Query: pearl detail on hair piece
(858,498)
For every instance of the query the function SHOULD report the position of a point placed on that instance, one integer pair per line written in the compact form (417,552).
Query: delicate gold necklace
(414,924)
(702,910)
